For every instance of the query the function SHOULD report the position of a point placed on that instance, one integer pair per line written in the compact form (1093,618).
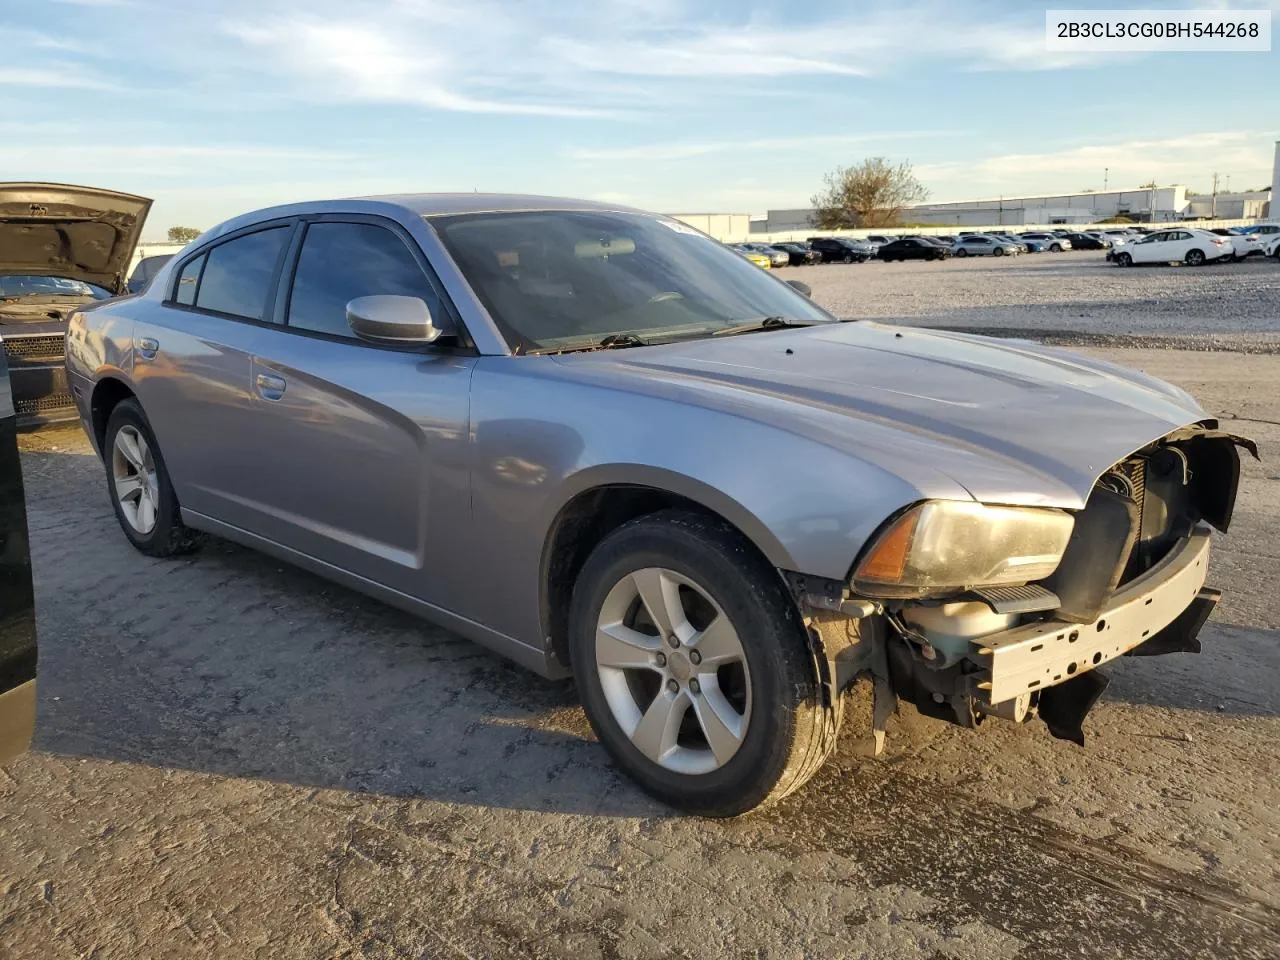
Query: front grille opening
(54,402)
(48,347)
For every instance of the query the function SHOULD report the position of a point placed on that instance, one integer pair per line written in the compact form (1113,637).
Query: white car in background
(1192,247)
(1243,244)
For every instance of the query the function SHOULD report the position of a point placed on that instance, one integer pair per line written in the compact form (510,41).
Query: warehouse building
(1159,204)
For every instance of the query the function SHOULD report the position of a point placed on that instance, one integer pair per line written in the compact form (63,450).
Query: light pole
(1106,176)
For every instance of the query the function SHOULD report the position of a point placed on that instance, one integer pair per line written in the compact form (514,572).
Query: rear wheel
(1055,248)
(848,258)
(999,251)
(141,492)
(962,252)
(693,666)
(1194,258)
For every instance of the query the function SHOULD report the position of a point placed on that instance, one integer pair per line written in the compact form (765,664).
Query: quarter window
(237,278)
(185,291)
(342,261)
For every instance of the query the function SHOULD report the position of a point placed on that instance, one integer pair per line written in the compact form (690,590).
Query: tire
(1124,259)
(1194,258)
(999,251)
(962,252)
(139,486)
(784,730)
(848,258)
(1055,248)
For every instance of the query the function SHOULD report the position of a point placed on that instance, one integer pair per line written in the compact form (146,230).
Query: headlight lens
(945,545)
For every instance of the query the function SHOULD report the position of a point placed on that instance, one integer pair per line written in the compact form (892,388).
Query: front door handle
(270,387)
(148,347)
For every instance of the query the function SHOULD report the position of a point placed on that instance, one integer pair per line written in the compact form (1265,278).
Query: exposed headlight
(943,545)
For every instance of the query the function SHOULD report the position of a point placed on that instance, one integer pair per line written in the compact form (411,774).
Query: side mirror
(801,286)
(392,319)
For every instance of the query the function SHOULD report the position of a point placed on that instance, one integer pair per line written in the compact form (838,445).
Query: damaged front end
(1129,581)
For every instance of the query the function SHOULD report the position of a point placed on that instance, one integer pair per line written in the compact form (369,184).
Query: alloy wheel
(673,671)
(134,479)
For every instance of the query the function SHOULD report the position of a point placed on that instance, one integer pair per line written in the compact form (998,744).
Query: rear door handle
(148,347)
(270,387)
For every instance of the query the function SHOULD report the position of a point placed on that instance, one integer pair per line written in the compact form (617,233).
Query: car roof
(416,204)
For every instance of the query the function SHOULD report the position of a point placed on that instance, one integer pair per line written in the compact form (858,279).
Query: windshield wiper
(765,323)
(616,341)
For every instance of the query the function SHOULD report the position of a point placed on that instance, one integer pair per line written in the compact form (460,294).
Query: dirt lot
(1077,296)
(236,759)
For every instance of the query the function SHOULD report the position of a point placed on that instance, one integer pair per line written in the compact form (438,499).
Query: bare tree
(868,194)
(182,234)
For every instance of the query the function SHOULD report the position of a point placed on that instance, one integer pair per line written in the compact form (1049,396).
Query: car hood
(1008,421)
(81,233)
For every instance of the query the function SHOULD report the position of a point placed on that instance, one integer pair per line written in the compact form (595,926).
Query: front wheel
(1124,259)
(693,666)
(138,481)
(962,252)
(999,251)
(848,258)
(1194,258)
(1055,248)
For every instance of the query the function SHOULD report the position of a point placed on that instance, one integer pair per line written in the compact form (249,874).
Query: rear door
(191,366)
(360,451)
(1180,241)
(17,605)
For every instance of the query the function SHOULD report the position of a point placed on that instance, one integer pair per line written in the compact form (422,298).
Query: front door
(1154,249)
(361,450)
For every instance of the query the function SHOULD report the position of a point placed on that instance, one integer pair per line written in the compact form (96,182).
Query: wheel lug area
(673,686)
(661,659)
(695,657)
(695,687)
(673,641)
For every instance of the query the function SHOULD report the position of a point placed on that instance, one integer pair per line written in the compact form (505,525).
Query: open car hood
(81,233)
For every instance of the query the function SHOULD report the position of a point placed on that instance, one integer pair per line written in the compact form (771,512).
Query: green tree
(872,193)
(182,234)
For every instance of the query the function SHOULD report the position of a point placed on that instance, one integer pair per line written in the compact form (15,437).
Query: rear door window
(238,276)
(184,291)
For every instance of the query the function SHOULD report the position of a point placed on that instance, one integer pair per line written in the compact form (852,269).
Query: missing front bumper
(1165,607)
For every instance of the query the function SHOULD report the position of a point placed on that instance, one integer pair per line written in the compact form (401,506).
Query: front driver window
(342,261)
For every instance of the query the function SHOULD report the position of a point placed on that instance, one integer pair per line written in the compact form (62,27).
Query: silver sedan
(596,441)
(977,246)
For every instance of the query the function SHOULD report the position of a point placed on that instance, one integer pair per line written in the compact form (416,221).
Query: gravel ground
(236,759)
(1072,298)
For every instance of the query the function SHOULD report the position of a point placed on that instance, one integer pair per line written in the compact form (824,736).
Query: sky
(216,107)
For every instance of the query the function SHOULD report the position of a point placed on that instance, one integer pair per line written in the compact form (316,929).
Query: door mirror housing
(393,319)
(801,286)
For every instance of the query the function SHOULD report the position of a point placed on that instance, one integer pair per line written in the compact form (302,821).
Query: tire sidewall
(129,413)
(763,628)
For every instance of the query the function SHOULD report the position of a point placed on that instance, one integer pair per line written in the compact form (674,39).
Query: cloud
(687,149)
(52,76)
(1188,159)
(548,58)
(49,158)
(358,61)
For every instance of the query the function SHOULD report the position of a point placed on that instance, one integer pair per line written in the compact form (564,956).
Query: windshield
(31,286)
(558,280)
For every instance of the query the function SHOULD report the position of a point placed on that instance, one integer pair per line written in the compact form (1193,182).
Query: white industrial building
(1160,204)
